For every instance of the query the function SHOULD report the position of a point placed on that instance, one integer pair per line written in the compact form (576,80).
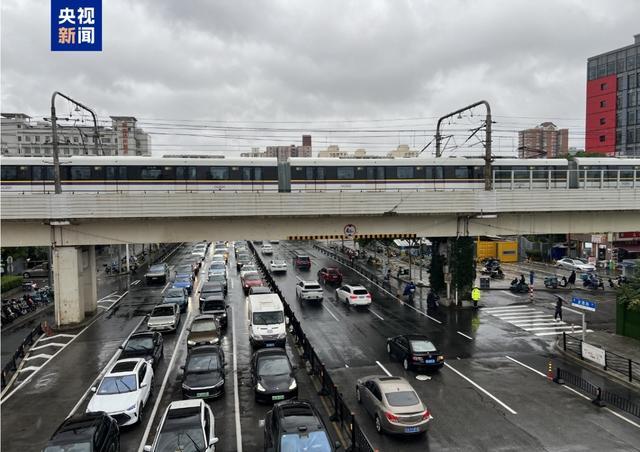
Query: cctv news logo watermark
(76,25)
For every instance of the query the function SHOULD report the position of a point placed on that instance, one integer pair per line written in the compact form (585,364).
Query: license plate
(277,397)
(202,394)
(270,344)
(411,430)
(430,361)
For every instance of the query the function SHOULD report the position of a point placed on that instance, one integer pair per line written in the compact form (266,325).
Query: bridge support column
(74,270)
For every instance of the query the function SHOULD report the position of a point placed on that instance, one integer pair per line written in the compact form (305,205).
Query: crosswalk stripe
(549,333)
(531,319)
(514,307)
(517,312)
(539,328)
(536,316)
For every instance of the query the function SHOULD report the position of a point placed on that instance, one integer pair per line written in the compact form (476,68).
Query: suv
(301,260)
(296,425)
(158,272)
(330,275)
(97,431)
(309,290)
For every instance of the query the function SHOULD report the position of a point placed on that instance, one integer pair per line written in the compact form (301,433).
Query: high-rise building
(403,151)
(543,141)
(613,107)
(23,136)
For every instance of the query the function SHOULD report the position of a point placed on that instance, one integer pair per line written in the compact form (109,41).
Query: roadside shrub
(10,282)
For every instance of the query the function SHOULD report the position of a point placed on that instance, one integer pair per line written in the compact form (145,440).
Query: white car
(309,290)
(248,268)
(124,391)
(353,295)
(164,317)
(278,265)
(217,267)
(574,264)
(267,249)
(186,425)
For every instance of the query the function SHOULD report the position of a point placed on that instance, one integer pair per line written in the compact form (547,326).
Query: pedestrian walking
(572,279)
(531,277)
(558,309)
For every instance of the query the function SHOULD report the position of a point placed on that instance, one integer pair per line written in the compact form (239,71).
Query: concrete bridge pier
(75,284)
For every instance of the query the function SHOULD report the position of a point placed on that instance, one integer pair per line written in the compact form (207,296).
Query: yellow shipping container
(485,249)
(508,251)
(503,251)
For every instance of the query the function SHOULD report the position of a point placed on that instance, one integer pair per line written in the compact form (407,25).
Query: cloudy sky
(228,75)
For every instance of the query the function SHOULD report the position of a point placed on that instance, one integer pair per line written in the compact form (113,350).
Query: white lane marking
(375,313)
(509,293)
(519,312)
(107,296)
(542,328)
(462,334)
(331,313)
(384,369)
(480,388)
(55,336)
(165,287)
(524,365)
(236,397)
(51,344)
(528,317)
(40,356)
(54,355)
(576,392)
(560,332)
(346,365)
(530,324)
(101,374)
(30,369)
(136,282)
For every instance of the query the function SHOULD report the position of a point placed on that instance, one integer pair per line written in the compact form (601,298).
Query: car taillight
(354,297)
(426,415)
(416,358)
(368,295)
(440,358)
(392,417)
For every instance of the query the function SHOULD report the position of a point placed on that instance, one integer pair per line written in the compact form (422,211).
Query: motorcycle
(593,282)
(497,274)
(617,282)
(519,287)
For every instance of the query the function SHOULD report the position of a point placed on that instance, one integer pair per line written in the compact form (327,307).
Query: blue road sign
(581,303)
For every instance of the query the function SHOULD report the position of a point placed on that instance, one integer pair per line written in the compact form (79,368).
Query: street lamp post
(56,154)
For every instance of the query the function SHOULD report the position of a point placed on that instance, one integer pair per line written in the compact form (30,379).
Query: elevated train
(148,174)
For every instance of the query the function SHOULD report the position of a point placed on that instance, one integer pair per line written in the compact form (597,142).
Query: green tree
(436,269)
(628,294)
(462,265)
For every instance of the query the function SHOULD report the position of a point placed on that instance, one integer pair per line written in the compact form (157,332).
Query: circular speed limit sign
(350,230)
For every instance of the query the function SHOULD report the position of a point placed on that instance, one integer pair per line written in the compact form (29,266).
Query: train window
(559,173)
(405,172)
(9,172)
(123,172)
(456,172)
(150,173)
(186,173)
(520,173)
(111,173)
(503,172)
(611,173)
(257,174)
(36,173)
(478,172)
(345,172)
(270,173)
(438,172)
(309,173)
(80,172)
(320,173)
(541,172)
(219,173)
(98,172)
(246,173)
(371,172)
(593,172)
(626,172)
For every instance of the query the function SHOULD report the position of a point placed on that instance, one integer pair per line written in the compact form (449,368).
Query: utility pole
(54,130)
(487,142)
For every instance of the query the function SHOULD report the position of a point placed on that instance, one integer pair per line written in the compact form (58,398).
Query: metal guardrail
(614,362)
(602,396)
(342,414)
(23,348)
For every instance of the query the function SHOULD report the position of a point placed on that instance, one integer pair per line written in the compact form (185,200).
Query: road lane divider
(481,389)
(384,369)
(376,314)
(330,313)
(462,334)
(236,395)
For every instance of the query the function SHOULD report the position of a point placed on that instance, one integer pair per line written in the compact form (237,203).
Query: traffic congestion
(201,357)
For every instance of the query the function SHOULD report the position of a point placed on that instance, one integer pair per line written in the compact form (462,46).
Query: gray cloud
(318,61)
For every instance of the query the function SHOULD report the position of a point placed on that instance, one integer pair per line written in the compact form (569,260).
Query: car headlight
(214,341)
(260,388)
(131,408)
(282,335)
(257,336)
(190,342)
(224,315)
(220,383)
(293,384)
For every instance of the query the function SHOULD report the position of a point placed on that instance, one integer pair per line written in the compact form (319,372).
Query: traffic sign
(350,230)
(581,303)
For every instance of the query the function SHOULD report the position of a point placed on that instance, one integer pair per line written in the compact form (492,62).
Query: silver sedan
(393,404)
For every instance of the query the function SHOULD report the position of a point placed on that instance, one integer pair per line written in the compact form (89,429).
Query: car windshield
(244,257)
(268,318)
(199,326)
(213,305)
(139,343)
(279,263)
(162,311)
(219,277)
(402,398)
(203,363)
(249,268)
(157,268)
(219,265)
(360,291)
(178,436)
(314,441)
(273,365)
(333,271)
(117,385)
(71,446)
(252,277)
(174,293)
(303,258)
(420,346)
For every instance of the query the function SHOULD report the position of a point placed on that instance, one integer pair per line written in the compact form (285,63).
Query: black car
(217,307)
(210,289)
(415,351)
(147,344)
(158,273)
(296,425)
(220,279)
(241,260)
(96,432)
(203,375)
(272,375)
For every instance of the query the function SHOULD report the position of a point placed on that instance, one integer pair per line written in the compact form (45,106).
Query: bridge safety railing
(602,397)
(342,413)
(624,366)
(12,366)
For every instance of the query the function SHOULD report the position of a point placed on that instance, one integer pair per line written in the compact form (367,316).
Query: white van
(266,321)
